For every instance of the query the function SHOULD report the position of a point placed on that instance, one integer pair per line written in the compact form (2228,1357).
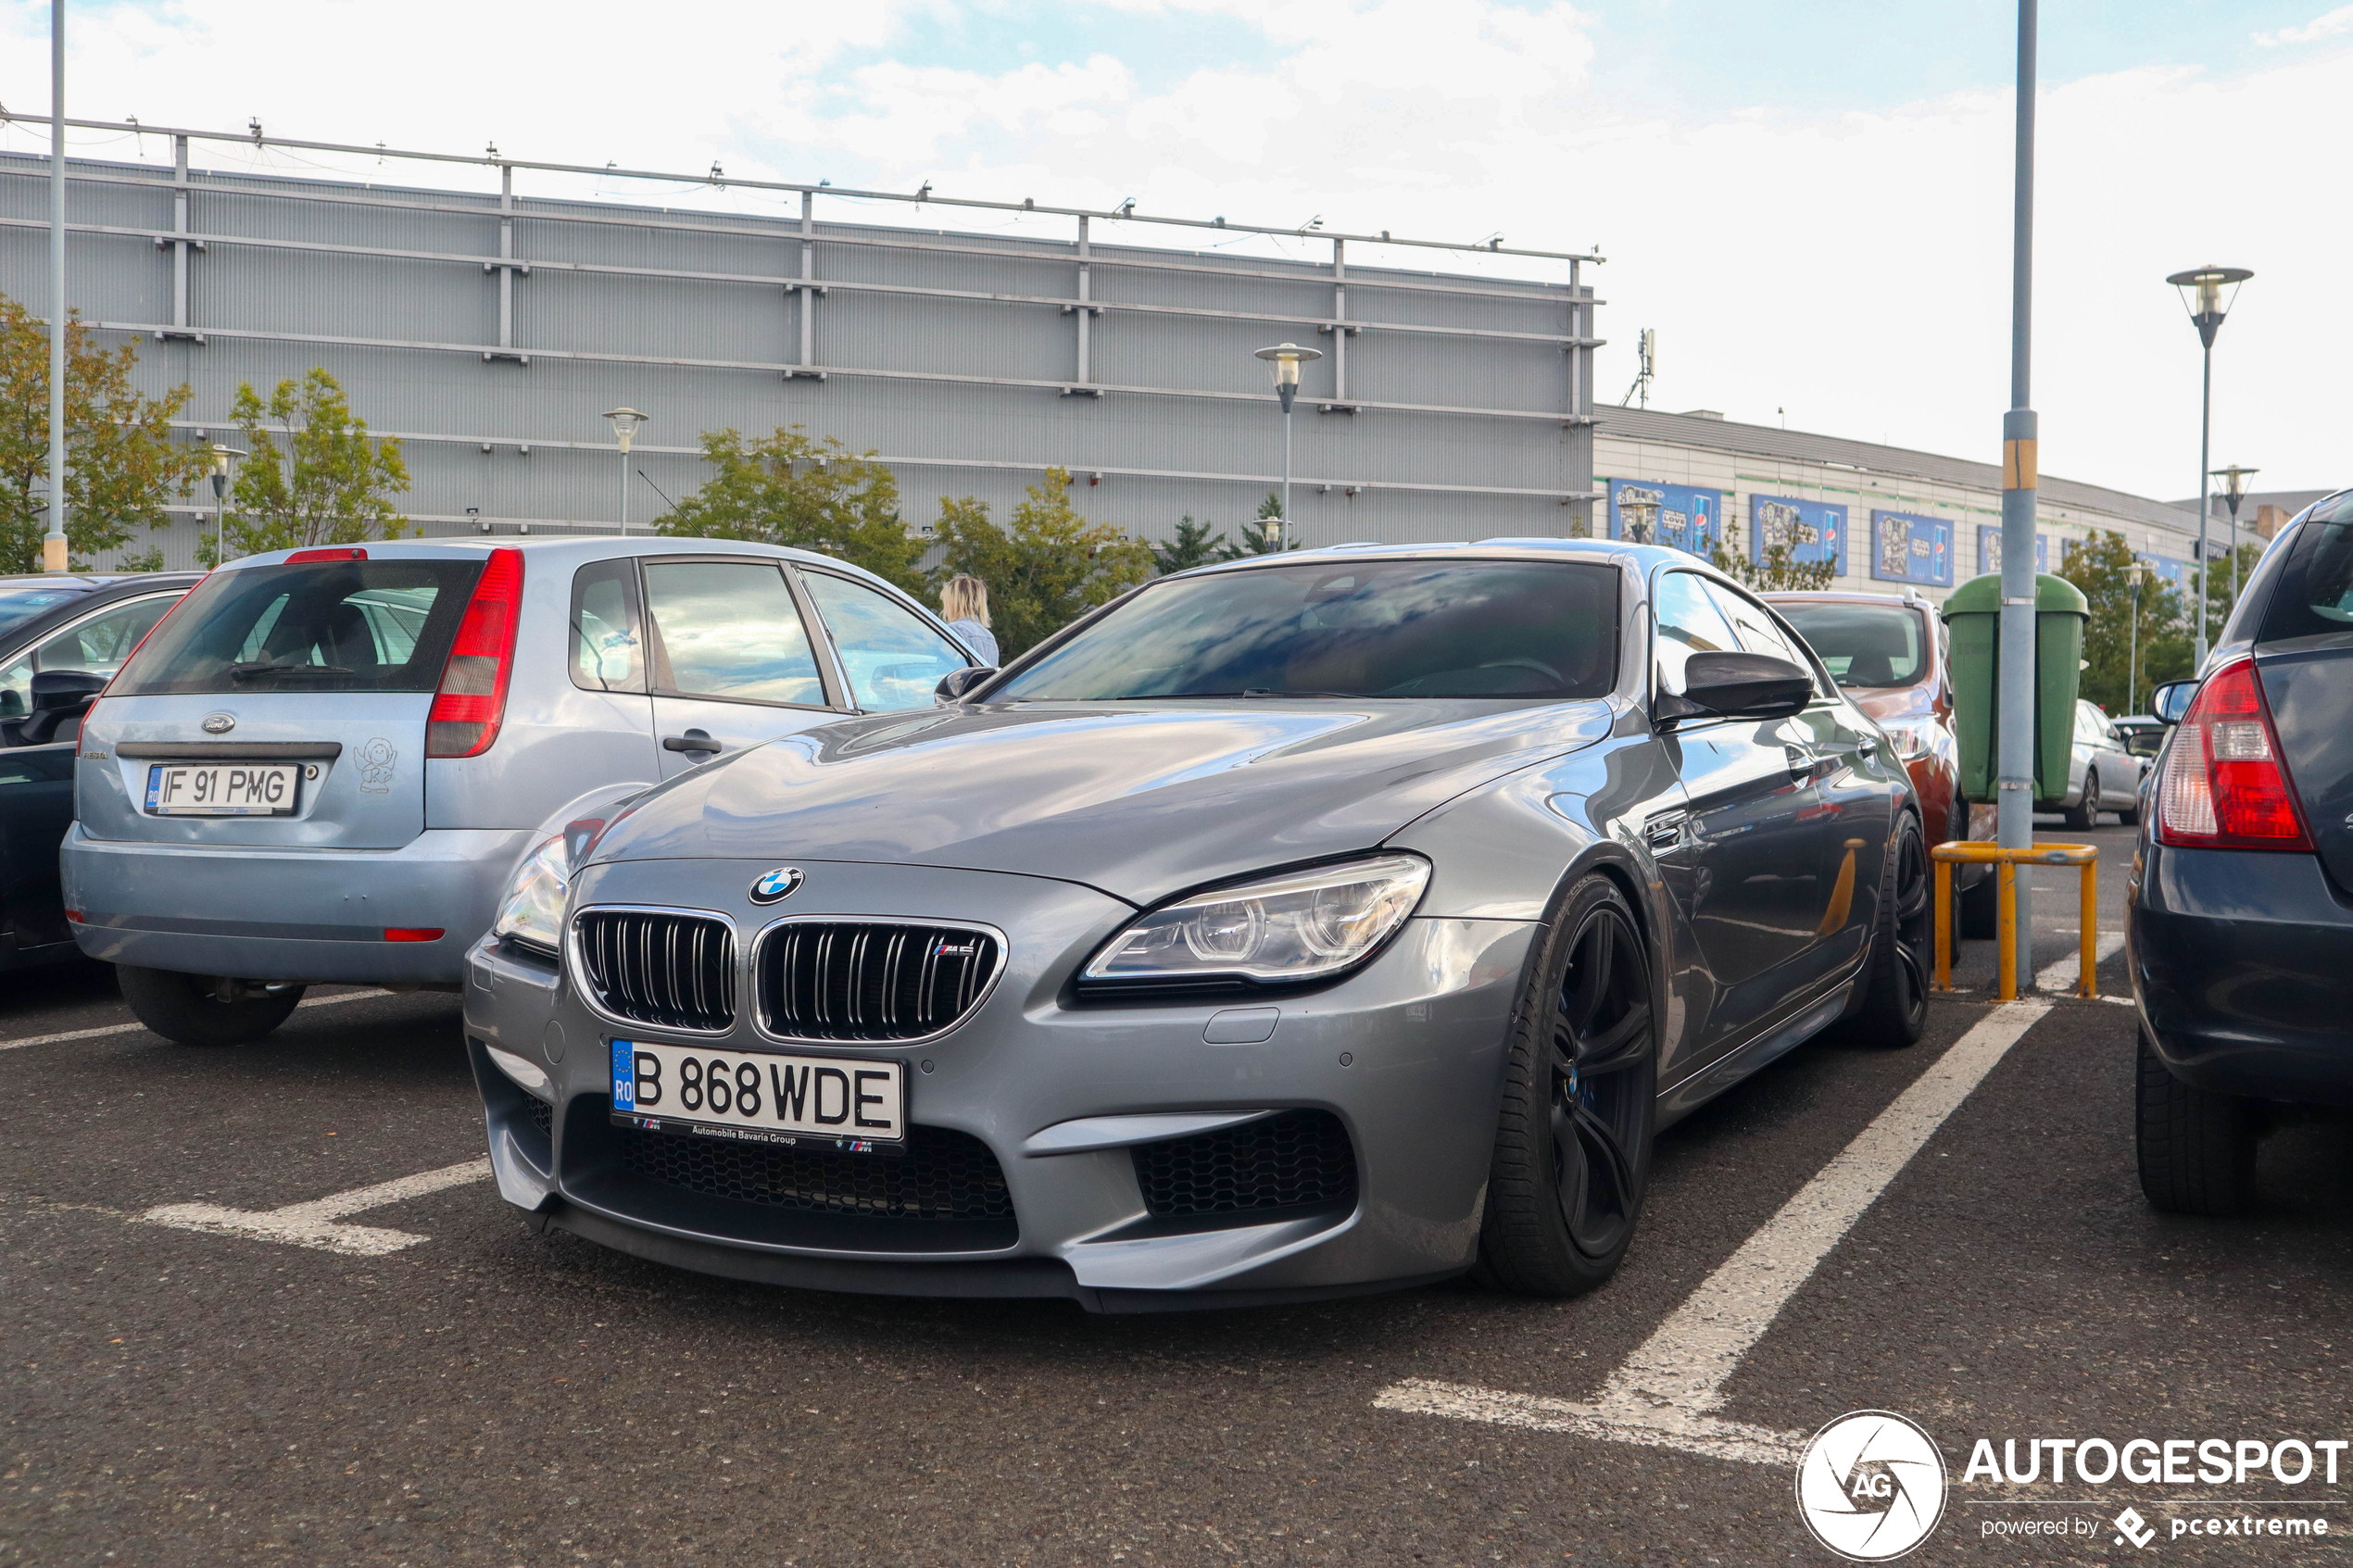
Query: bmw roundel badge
(775,885)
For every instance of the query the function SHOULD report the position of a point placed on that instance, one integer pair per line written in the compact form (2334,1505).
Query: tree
(121,465)
(1193,546)
(1047,568)
(1779,573)
(310,474)
(1255,538)
(2101,565)
(793,489)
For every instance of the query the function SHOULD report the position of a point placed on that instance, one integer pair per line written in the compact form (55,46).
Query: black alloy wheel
(2084,815)
(1573,1146)
(1893,1010)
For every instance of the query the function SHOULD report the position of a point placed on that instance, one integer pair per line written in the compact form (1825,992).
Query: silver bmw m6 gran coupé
(1313,924)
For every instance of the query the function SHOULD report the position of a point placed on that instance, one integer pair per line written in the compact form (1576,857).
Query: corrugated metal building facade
(489,330)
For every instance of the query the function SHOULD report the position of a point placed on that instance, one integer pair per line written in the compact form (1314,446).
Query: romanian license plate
(222,789)
(759,1097)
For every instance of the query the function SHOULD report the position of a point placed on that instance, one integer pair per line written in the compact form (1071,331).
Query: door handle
(1801,762)
(1865,747)
(693,741)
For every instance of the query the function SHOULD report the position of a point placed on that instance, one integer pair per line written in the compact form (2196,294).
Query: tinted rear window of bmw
(317,626)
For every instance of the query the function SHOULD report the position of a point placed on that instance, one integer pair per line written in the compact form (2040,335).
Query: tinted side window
(730,629)
(99,644)
(1756,629)
(608,641)
(2315,593)
(1689,622)
(891,659)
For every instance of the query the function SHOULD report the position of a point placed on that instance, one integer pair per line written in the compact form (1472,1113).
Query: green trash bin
(1973,613)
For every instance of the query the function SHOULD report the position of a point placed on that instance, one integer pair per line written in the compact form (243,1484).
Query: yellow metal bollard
(2006,863)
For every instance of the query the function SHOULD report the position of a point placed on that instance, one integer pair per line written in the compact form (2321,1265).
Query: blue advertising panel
(2174,571)
(1989,548)
(1810,530)
(1906,547)
(1680,515)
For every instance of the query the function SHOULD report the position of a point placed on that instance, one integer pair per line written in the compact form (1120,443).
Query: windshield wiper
(1252,692)
(260,667)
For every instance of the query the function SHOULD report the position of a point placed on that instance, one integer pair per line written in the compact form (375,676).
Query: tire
(2084,815)
(2131,815)
(1573,1139)
(189,1008)
(2196,1149)
(1894,1008)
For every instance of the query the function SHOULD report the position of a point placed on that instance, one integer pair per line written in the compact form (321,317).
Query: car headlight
(1279,930)
(532,913)
(1913,738)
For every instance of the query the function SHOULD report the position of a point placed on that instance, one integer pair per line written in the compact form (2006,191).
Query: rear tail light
(472,699)
(413,933)
(2225,787)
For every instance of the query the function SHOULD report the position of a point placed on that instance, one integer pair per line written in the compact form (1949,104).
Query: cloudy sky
(1807,199)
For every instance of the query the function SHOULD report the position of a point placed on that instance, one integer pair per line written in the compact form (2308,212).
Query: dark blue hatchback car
(2241,898)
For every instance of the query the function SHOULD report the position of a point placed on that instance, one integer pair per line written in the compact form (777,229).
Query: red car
(1890,654)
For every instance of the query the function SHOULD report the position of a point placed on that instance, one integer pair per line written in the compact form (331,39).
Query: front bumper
(1407,1055)
(316,915)
(2242,965)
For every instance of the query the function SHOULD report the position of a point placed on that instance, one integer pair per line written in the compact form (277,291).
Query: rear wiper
(260,667)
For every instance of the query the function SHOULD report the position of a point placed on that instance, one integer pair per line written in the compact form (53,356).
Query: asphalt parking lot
(407,1376)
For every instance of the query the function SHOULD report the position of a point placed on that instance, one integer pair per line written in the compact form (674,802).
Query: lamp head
(2234,480)
(1287,358)
(2203,298)
(625,425)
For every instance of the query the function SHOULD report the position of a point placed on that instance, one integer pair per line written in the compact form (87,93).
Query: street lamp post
(624,429)
(2202,297)
(2138,577)
(54,552)
(2234,491)
(221,456)
(1287,358)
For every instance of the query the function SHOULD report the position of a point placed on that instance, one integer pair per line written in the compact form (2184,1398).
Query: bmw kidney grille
(673,969)
(859,980)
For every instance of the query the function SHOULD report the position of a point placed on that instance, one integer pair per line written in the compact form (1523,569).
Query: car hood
(1137,800)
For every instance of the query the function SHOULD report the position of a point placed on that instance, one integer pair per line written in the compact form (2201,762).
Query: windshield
(1540,631)
(1863,644)
(319,626)
(22,601)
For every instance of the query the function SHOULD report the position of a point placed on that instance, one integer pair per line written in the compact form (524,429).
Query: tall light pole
(1287,358)
(2234,491)
(2202,297)
(2137,577)
(220,460)
(2014,718)
(53,546)
(624,429)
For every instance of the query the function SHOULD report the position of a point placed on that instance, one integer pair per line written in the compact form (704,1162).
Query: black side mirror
(956,683)
(2171,701)
(1738,685)
(60,696)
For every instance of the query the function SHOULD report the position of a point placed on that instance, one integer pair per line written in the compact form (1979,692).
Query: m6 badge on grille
(759,1097)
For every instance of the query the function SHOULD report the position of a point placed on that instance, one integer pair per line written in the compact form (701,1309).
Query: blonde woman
(964,604)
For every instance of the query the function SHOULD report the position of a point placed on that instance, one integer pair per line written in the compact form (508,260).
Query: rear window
(1867,645)
(24,601)
(2315,593)
(320,626)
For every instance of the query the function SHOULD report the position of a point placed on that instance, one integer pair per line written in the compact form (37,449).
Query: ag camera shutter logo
(1870,1486)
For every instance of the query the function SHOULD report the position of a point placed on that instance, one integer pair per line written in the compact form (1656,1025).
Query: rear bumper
(2242,965)
(289,914)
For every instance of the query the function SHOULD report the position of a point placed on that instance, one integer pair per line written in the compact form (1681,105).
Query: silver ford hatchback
(324,764)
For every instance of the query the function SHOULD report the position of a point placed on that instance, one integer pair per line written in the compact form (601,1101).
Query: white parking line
(134,1028)
(314,1223)
(1666,1394)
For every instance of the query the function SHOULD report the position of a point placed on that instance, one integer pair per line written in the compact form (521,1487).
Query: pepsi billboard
(1906,547)
(1810,530)
(1682,515)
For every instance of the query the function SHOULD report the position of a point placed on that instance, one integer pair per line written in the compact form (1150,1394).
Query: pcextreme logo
(1870,1486)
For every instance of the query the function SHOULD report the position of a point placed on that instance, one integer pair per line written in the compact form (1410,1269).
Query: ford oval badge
(778,883)
(220,723)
